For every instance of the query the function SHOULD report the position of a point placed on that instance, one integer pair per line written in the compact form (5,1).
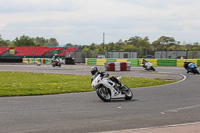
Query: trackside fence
(137,62)
(133,62)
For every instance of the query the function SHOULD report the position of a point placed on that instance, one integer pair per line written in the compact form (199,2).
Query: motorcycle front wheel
(128,93)
(152,68)
(196,71)
(104,94)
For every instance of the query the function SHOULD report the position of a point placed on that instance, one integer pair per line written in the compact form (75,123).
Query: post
(103,40)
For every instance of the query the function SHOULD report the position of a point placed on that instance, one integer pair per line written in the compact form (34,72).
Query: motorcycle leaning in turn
(192,68)
(107,89)
(148,66)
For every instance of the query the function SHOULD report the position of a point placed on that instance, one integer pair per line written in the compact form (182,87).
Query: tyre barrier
(36,60)
(9,60)
(117,66)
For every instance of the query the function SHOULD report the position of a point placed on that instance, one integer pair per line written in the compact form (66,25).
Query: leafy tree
(110,46)
(133,40)
(51,42)
(99,49)
(3,42)
(128,48)
(40,41)
(163,43)
(92,46)
(196,47)
(69,45)
(24,41)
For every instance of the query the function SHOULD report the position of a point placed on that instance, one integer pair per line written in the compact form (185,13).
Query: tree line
(136,43)
(28,41)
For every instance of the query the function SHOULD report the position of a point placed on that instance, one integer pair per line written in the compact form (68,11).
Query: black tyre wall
(11,60)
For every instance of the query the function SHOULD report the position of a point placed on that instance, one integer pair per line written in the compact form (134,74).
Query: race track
(84,112)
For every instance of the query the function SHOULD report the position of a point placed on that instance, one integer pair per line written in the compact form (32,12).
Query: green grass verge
(22,83)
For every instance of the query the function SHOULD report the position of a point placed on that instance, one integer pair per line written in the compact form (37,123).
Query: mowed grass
(26,83)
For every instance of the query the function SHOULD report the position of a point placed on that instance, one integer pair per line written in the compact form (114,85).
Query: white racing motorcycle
(149,66)
(107,89)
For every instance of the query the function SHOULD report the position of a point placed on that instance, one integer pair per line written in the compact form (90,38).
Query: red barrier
(111,66)
(117,66)
(123,66)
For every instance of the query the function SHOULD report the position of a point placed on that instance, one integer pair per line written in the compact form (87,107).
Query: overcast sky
(85,21)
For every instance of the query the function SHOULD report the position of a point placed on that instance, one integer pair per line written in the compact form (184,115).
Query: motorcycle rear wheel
(104,94)
(128,93)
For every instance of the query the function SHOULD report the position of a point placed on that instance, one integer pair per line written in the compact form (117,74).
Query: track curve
(85,112)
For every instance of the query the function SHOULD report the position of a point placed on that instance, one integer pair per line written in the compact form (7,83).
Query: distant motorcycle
(107,89)
(56,62)
(148,66)
(192,68)
(39,63)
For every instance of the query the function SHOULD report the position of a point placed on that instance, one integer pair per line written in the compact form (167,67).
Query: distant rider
(186,65)
(143,61)
(95,70)
(55,57)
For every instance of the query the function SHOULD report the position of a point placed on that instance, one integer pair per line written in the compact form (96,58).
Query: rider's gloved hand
(106,75)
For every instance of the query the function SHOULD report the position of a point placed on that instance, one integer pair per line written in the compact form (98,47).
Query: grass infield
(26,83)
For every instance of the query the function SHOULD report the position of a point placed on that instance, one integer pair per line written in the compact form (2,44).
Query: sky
(83,22)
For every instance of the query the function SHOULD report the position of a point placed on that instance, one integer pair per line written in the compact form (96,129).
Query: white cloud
(84,21)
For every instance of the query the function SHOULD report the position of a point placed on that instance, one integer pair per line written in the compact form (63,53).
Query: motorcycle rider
(95,70)
(143,61)
(186,65)
(56,57)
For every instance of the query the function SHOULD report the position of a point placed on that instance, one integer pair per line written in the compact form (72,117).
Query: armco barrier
(166,62)
(110,60)
(100,61)
(134,62)
(91,61)
(153,61)
(180,62)
(121,60)
(198,63)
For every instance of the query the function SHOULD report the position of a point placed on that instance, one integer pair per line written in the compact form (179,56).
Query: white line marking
(184,78)
(34,130)
(183,108)
(165,126)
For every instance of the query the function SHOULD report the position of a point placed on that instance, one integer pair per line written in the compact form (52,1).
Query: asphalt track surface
(157,106)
